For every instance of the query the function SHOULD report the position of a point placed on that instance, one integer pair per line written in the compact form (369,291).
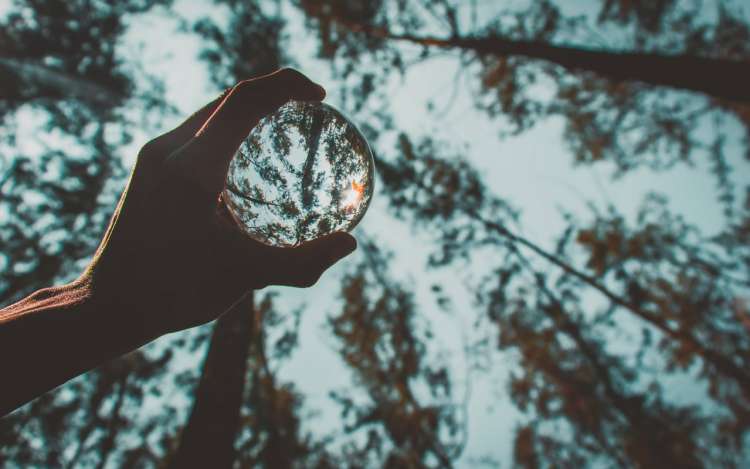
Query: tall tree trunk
(720,78)
(313,142)
(208,438)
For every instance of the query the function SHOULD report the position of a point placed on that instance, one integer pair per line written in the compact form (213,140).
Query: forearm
(56,334)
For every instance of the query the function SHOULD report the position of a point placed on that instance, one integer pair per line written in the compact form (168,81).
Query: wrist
(118,313)
(66,297)
(57,333)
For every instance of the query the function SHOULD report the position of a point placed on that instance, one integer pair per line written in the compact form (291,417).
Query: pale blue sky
(532,170)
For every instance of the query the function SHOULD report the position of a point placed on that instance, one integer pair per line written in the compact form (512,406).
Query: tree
(60,65)
(556,306)
(271,434)
(681,289)
(553,308)
(240,412)
(531,65)
(209,435)
(379,339)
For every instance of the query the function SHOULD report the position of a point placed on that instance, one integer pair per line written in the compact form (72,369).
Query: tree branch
(722,363)
(719,78)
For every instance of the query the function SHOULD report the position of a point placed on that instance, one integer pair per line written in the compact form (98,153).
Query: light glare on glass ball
(303,172)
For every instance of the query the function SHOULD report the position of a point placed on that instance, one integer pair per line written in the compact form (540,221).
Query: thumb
(305,263)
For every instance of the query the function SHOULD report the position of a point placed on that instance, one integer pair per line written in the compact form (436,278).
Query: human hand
(172,257)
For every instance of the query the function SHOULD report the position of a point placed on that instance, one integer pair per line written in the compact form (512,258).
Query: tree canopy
(613,336)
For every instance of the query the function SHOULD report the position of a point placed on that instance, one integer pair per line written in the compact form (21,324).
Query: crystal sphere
(302,172)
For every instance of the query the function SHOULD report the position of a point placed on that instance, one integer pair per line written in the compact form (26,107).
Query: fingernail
(351,244)
(321,91)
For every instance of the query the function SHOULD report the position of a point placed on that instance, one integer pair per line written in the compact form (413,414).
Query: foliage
(602,325)
(64,78)
(520,82)
(380,340)
(679,286)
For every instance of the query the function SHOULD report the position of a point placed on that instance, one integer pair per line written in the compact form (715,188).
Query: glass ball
(302,172)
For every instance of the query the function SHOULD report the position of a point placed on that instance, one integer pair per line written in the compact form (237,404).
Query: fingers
(206,157)
(303,265)
(307,262)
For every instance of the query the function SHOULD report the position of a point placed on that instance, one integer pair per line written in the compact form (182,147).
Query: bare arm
(172,257)
(56,334)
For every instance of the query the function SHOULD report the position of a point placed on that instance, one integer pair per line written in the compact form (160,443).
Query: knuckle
(288,73)
(250,91)
(270,88)
(152,154)
(150,149)
(243,89)
(285,78)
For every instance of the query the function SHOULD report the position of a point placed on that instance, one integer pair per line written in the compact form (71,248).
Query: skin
(171,259)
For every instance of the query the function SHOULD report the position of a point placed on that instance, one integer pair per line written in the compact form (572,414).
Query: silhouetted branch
(250,198)
(721,78)
(722,363)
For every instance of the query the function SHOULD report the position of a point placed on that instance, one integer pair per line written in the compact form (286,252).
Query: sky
(532,170)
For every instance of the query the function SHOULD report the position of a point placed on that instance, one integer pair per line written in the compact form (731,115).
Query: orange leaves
(495,73)
(524,453)
(601,250)
(378,335)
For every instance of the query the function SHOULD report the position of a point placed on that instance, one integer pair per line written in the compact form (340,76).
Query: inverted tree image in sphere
(303,172)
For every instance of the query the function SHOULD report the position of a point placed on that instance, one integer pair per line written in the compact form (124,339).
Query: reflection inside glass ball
(302,172)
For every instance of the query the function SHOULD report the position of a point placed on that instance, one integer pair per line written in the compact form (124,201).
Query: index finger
(206,157)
